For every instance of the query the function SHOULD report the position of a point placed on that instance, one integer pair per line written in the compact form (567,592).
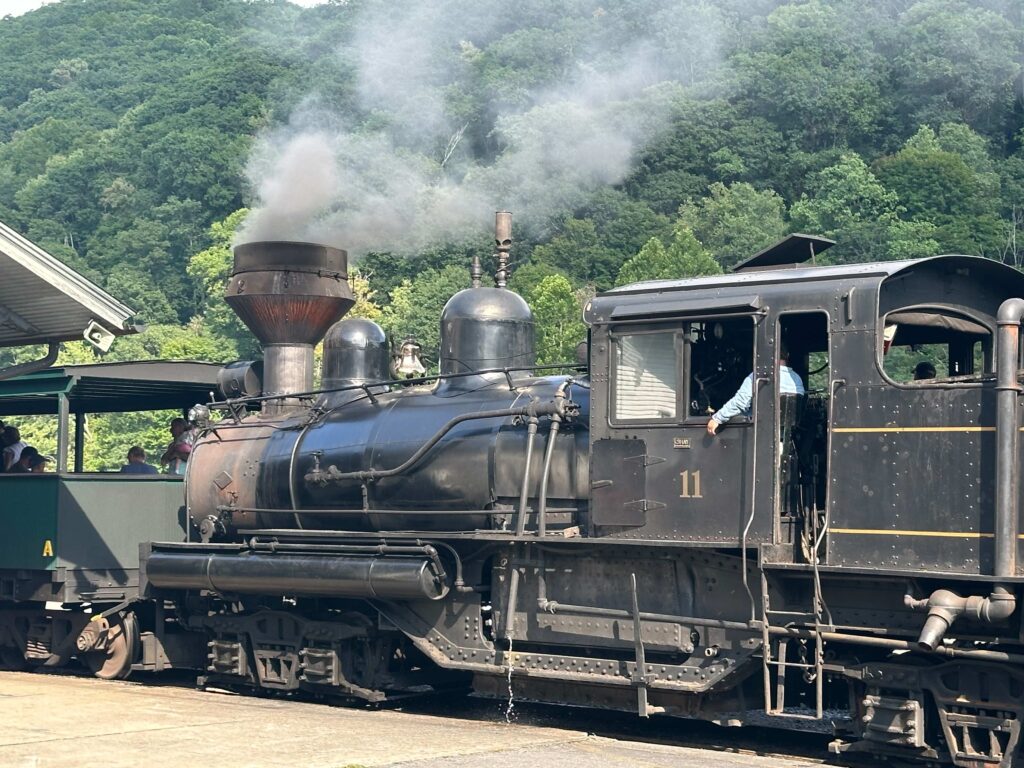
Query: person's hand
(712,427)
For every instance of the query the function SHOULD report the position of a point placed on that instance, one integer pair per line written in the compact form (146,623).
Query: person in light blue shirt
(739,404)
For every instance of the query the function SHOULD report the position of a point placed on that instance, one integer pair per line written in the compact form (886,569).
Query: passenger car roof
(111,387)
(43,300)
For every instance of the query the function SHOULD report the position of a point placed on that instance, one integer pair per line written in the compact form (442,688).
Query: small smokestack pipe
(476,271)
(503,244)
(288,294)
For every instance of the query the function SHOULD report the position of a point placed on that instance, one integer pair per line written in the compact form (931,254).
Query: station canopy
(43,301)
(110,388)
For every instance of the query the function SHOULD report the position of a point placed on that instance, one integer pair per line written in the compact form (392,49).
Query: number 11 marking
(684,477)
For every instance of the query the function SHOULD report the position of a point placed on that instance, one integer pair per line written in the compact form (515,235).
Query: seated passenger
(789,384)
(180,449)
(12,447)
(924,370)
(24,463)
(137,463)
(38,464)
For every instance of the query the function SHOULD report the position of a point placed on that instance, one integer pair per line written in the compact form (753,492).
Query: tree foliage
(683,257)
(735,221)
(559,318)
(895,128)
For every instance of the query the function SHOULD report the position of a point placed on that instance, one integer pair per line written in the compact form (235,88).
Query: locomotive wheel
(112,660)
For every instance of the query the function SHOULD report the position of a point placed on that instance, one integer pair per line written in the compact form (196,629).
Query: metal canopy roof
(791,250)
(110,387)
(44,301)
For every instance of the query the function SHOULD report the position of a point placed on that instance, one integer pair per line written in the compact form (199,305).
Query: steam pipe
(542,506)
(384,577)
(1008,319)
(513,598)
(556,423)
(945,606)
(524,491)
(503,243)
(552,606)
(228,403)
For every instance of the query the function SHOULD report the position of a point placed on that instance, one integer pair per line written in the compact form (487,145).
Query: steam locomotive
(844,560)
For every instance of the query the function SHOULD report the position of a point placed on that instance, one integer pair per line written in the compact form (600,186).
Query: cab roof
(747,290)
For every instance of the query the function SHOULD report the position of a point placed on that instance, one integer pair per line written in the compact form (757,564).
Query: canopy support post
(79,441)
(63,427)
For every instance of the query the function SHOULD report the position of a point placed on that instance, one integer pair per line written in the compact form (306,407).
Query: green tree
(684,257)
(581,253)
(559,320)
(849,204)
(947,180)
(528,276)
(812,73)
(953,61)
(736,221)
(415,308)
(210,269)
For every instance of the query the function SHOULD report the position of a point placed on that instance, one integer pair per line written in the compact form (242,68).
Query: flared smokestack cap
(289,293)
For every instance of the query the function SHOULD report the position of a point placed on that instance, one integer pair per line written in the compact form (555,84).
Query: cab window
(721,356)
(646,376)
(921,345)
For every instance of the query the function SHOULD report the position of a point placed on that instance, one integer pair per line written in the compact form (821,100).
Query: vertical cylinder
(287,369)
(1009,317)
(503,229)
(63,427)
(503,244)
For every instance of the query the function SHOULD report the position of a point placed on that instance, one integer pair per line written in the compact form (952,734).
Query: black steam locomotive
(844,559)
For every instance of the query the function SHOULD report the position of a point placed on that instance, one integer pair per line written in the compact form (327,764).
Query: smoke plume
(556,113)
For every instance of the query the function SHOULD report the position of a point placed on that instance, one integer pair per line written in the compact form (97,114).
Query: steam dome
(486,328)
(355,352)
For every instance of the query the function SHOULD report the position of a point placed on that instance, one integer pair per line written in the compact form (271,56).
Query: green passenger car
(69,539)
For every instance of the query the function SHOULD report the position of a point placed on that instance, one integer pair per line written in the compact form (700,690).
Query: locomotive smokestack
(288,294)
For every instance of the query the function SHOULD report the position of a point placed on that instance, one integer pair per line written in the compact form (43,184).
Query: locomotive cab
(829,477)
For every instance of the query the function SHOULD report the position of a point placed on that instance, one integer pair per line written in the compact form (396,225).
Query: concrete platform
(51,721)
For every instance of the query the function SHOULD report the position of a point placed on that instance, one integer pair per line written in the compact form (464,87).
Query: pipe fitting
(945,606)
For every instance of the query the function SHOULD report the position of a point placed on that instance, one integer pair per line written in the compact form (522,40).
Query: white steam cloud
(404,173)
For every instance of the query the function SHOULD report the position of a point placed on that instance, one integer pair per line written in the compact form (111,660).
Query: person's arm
(737,404)
(180,449)
(8,459)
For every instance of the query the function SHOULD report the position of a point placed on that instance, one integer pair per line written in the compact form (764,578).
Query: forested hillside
(632,138)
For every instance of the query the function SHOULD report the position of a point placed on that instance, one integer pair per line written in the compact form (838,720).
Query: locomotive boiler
(844,560)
